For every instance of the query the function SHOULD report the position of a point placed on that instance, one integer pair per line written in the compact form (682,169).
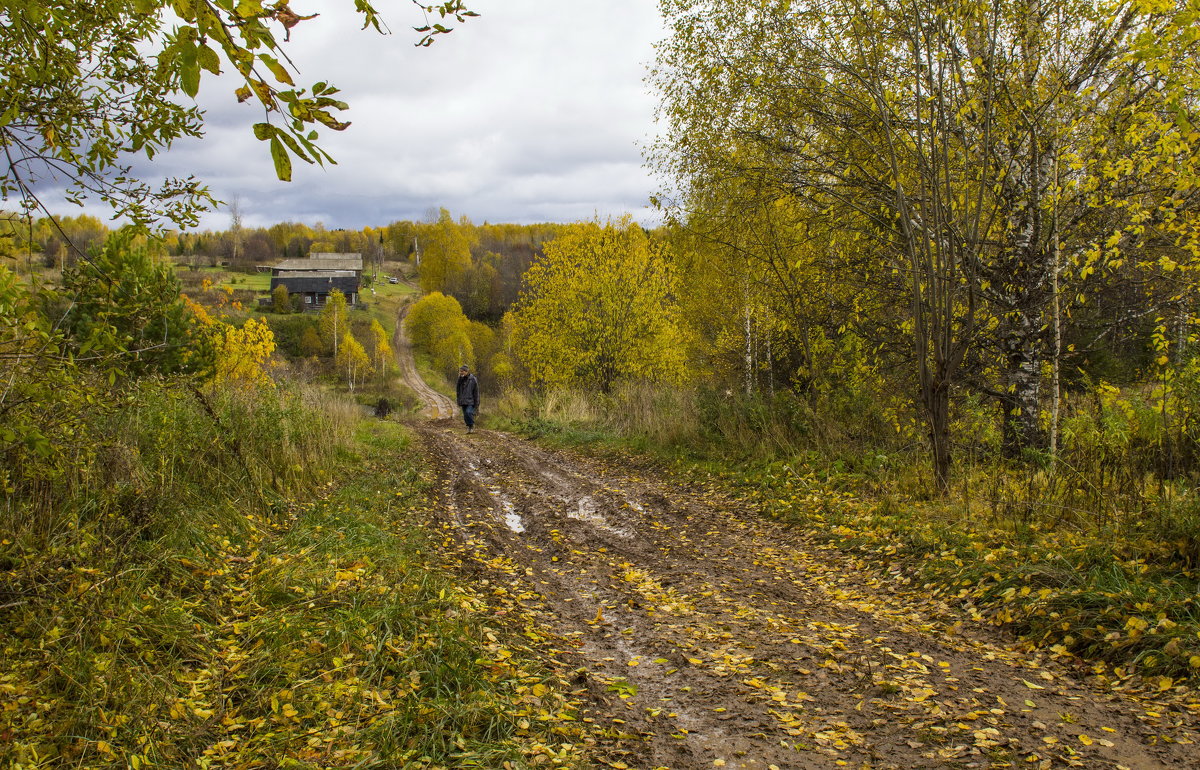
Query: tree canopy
(598,309)
(127,311)
(958,180)
(436,325)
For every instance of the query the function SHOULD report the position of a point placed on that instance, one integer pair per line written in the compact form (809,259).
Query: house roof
(322,274)
(317,282)
(335,255)
(329,262)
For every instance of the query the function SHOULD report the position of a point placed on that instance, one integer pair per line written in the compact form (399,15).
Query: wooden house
(315,286)
(315,278)
(318,262)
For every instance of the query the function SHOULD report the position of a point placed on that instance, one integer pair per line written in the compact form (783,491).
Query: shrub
(281,302)
(436,325)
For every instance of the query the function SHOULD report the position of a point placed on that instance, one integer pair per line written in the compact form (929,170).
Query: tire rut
(705,636)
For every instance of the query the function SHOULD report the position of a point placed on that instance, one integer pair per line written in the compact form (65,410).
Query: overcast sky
(534,112)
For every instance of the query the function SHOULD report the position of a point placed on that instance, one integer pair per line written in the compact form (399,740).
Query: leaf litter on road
(694,633)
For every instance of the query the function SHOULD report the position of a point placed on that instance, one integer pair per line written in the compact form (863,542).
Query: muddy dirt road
(434,404)
(704,636)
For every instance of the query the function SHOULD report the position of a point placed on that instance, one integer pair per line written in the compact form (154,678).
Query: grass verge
(312,629)
(1111,599)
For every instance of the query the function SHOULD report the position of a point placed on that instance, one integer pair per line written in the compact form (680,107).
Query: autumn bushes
(438,329)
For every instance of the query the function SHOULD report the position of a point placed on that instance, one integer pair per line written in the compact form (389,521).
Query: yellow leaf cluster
(598,309)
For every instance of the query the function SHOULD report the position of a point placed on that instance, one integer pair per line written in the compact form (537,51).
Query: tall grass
(240,579)
(705,420)
(105,571)
(167,446)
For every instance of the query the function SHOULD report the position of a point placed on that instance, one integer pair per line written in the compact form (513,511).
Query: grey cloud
(532,112)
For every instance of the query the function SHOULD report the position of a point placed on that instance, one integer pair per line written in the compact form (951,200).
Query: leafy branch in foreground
(86,86)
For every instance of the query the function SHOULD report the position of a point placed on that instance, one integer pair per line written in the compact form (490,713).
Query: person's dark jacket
(468,391)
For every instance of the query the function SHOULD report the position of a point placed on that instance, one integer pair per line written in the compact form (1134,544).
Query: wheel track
(645,577)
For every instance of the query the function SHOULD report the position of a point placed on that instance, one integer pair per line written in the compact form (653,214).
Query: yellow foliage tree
(333,320)
(383,348)
(240,354)
(281,302)
(437,326)
(484,342)
(353,360)
(243,353)
(599,309)
(445,252)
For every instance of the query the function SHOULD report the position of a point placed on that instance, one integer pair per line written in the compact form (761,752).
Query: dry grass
(241,581)
(572,407)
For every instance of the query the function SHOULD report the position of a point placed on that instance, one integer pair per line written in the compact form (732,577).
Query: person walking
(468,396)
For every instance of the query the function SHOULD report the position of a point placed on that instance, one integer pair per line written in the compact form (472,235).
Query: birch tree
(352,359)
(334,320)
(382,348)
(954,144)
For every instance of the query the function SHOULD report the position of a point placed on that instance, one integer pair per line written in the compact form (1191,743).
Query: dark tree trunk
(937,405)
